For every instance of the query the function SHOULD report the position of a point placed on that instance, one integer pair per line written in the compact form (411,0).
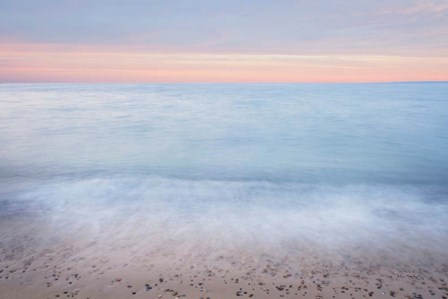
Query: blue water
(325,157)
(325,133)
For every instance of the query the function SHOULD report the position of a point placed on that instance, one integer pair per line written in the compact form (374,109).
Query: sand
(40,260)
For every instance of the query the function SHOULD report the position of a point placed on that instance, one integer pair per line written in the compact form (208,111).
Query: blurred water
(285,161)
(330,133)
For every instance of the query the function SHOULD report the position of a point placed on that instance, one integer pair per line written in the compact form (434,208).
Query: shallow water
(260,166)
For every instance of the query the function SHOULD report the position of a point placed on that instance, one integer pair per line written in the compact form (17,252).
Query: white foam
(242,214)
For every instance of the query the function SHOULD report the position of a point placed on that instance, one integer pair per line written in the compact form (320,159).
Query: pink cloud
(422,7)
(65,63)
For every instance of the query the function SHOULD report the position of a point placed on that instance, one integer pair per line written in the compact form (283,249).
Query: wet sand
(38,260)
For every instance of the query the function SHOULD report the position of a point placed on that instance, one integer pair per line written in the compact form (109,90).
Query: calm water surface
(374,156)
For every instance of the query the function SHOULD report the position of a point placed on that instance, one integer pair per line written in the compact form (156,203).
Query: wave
(239,213)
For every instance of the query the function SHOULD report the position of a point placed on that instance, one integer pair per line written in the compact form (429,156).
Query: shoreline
(40,263)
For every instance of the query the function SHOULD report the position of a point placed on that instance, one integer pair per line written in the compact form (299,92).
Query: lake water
(265,163)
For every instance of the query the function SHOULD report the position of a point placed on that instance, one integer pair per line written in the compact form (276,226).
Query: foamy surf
(235,213)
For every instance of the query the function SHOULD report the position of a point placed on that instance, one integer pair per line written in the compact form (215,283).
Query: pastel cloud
(213,41)
(421,7)
(50,63)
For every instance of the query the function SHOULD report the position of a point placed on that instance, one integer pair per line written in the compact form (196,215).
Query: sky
(223,41)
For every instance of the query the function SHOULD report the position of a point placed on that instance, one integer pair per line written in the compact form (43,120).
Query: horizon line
(218,82)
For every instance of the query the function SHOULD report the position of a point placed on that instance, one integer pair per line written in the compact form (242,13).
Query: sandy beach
(45,261)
